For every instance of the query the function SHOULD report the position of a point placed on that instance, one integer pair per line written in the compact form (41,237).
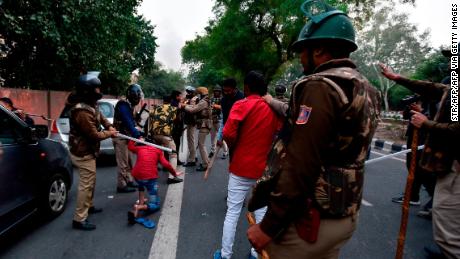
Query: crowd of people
(301,158)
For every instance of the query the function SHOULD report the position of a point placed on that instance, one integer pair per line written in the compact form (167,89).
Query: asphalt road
(201,220)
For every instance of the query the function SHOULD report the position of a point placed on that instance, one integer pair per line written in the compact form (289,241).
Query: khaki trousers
(123,164)
(191,143)
(333,234)
(87,170)
(202,133)
(446,213)
(168,142)
(214,130)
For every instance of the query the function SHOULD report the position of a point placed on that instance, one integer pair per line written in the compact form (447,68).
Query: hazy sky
(180,20)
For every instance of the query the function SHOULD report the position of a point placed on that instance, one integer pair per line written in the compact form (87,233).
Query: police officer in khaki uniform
(203,122)
(314,177)
(190,122)
(440,156)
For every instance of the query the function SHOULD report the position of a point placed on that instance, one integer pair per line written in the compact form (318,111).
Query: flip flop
(145,222)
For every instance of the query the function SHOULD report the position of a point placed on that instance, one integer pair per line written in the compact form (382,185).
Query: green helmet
(325,23)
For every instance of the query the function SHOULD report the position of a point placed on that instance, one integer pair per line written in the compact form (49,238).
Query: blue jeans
(152,188)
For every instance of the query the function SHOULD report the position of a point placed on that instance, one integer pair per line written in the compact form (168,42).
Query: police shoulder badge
(304,114)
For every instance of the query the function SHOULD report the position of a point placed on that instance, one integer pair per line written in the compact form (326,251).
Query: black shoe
(94,210)
(174,180)
(201,168)
(190,164)
(132,184)
(211,155)
(125,189)
(434,252)
(179,162)
(400,199)
(84,225)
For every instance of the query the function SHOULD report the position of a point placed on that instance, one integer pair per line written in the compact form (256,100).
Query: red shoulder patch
(304,114)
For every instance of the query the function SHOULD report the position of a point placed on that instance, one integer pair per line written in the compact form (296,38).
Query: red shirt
(249,132)
(147,161)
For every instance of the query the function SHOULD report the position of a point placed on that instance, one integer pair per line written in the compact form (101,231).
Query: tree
(52,41)
(160,82)
(248,35)
(392,40)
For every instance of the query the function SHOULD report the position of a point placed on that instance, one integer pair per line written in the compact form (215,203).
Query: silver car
(61,127)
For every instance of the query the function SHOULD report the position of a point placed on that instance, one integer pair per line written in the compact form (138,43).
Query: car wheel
(55,196)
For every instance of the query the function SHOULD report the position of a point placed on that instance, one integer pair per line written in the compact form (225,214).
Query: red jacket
(147,161)
(249,132)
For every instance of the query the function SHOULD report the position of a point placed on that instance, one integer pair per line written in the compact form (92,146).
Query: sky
(180,20)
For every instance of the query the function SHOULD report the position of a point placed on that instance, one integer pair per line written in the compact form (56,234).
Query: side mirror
(41,131)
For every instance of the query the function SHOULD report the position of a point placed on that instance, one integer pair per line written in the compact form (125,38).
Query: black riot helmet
(87,86)
(134,94)
(280,89)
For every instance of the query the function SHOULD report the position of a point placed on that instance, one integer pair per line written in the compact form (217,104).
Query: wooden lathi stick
(407,194)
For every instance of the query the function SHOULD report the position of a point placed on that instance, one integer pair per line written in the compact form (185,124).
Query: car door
(16,170)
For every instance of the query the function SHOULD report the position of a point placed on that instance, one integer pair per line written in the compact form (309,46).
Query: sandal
(145,222)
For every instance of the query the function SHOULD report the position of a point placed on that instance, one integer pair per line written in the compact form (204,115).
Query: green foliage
(391,39)
(253,35)
(160,82)
(435,68)
(53,41)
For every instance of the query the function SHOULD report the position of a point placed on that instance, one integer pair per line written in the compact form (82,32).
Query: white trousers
(238,189)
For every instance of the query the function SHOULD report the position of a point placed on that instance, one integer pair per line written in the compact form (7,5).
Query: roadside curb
(387,145)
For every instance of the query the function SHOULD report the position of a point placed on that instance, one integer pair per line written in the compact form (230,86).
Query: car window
(10,129)
(106,109)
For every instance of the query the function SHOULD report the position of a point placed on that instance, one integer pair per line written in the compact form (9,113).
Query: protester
(160,127)
(249,131)
(145,172)
(314,178)
(84,143)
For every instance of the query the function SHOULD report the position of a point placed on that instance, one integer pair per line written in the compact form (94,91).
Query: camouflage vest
(338,190)
(203,118)
(216,114)
(161,120)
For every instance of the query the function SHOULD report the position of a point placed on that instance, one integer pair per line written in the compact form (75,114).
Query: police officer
(190,122)
(125,123)
(317,166)
(203,122)
(84,142)
(216,119)
(280,91)
(441,157)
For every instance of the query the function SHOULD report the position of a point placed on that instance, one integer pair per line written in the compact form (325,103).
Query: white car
(61,127)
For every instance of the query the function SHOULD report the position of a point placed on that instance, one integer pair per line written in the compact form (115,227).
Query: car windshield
(104,107)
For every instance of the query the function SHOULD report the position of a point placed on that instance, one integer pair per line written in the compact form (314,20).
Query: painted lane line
(395,158)
(164,245)
(366,203)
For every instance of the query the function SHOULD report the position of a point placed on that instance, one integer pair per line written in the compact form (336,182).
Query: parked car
(35,172)
(61,127)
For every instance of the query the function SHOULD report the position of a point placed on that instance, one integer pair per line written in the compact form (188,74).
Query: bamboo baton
(252,221)
(211,163)
(405,206)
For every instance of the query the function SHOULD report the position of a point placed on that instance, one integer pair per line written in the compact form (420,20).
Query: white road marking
(366,203)
(395,158)
(164,244)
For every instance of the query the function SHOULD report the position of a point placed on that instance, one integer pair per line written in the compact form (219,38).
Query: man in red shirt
(249,132)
